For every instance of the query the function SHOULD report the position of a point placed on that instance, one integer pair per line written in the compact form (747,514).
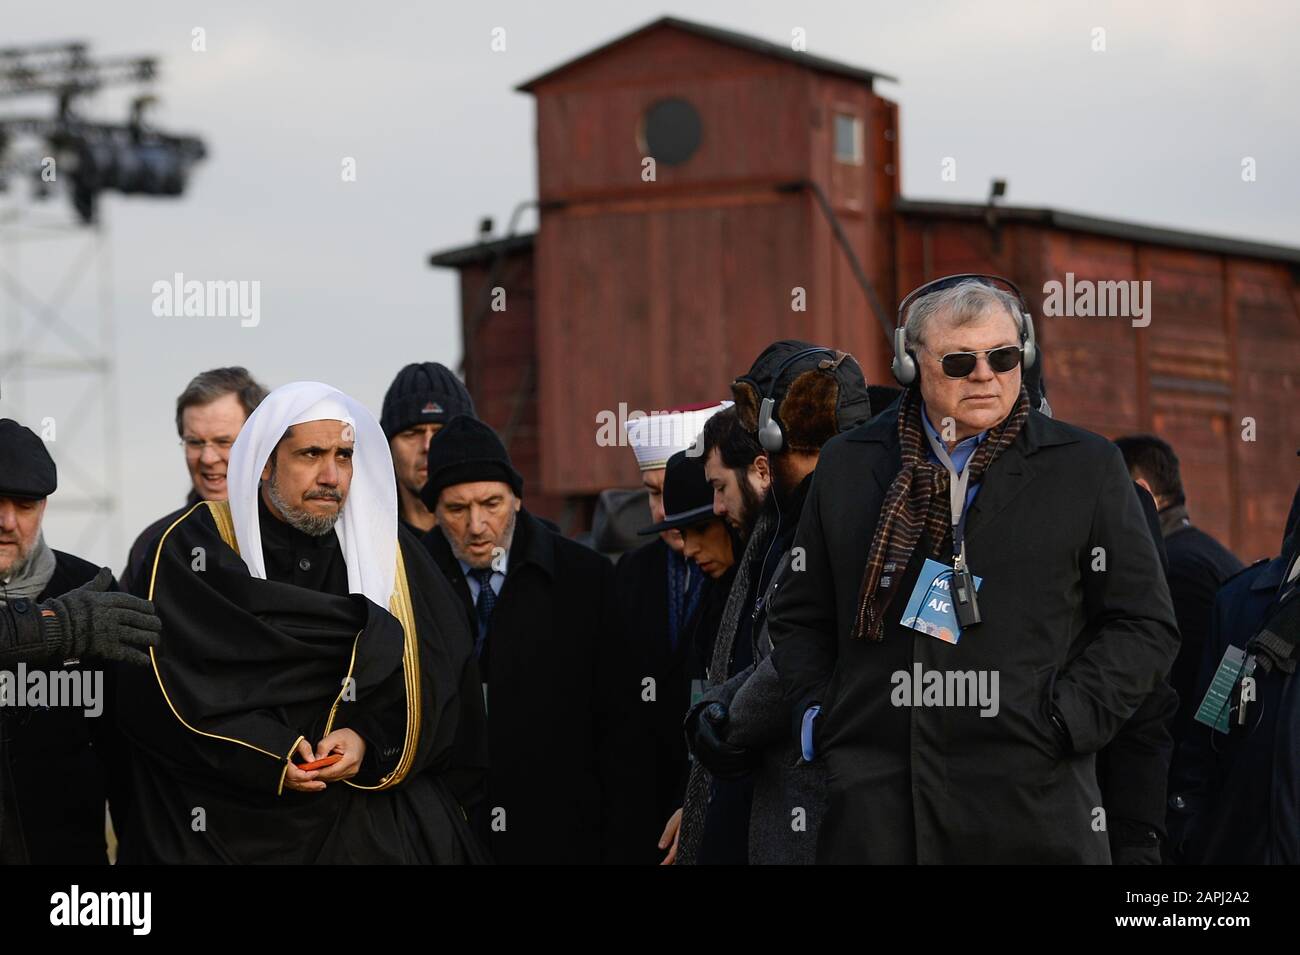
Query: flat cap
(26,468)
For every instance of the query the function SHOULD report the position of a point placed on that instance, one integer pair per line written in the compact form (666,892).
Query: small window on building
(848,139)
(670,131)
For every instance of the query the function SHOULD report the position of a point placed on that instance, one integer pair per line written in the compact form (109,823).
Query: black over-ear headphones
(904,365)
(770,436)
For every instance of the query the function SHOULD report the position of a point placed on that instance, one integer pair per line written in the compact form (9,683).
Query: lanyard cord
(956,497)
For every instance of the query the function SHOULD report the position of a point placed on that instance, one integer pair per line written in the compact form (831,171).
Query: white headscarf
(367,526)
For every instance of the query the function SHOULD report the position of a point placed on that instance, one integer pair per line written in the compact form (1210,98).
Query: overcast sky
(1153,129)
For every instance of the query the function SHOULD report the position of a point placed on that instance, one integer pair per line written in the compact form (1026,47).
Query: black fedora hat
(688,495)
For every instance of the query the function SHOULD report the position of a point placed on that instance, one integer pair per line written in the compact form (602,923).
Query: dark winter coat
(789,794)
(1198,566)
(139,562)
(641,589)
(568,776)
(65,765)
(943,784)
(1233,798)
(1133,768)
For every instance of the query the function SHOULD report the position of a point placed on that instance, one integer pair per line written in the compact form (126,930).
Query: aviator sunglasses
(959,364)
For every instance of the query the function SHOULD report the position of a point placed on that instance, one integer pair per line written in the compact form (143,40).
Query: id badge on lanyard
(964,601)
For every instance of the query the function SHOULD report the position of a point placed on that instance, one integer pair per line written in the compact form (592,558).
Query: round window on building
(670,131)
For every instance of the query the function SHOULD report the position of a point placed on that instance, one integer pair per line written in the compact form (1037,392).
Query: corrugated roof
(938,208)
(742,40)
(1092,225)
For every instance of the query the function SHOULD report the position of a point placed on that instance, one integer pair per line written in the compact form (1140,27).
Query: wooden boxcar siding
(501,369)
(865,209)
(665,291)
(655,308)
(1263,307)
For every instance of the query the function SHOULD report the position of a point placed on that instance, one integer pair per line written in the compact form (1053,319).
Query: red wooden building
(702,193)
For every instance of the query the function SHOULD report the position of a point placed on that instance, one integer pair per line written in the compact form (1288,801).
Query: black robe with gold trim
(249,667)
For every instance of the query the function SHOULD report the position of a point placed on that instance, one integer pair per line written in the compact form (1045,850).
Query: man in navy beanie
(563,782)
(422,398)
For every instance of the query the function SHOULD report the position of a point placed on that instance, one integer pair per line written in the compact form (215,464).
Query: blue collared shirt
(959,455)
(497,580)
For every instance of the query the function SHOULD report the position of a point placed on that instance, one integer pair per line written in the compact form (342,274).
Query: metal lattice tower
(57,367)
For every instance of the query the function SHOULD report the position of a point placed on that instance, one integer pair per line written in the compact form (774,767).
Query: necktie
(684,588)
(487,599)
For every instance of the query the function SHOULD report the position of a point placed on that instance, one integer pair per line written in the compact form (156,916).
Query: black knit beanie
(463,451)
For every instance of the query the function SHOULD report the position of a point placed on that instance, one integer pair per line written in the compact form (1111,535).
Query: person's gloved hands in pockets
(706,727)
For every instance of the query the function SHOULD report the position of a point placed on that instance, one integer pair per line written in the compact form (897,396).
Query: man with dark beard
(738,471)
(569,776)
(795,398)
(304,627)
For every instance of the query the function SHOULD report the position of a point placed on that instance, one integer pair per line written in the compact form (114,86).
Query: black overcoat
(944,784)
(569,777)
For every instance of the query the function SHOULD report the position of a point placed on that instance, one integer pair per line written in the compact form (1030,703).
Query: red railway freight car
(702,193)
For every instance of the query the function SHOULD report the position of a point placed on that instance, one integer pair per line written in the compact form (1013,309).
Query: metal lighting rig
(57,343)
(130,158)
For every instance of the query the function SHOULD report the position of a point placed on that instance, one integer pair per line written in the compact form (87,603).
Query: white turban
(658,436)
(367,526)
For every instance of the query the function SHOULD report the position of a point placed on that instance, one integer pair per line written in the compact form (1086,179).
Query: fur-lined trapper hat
(816,393)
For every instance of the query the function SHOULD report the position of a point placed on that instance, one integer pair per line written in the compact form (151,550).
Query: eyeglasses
(959,364)
(197,445)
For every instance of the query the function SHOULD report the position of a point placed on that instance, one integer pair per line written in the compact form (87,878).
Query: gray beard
(16,569)
(308,523)
(507,539)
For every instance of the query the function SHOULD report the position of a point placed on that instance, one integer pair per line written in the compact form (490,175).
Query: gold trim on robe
(399,606)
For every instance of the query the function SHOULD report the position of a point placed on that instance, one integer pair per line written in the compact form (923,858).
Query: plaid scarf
(917,501)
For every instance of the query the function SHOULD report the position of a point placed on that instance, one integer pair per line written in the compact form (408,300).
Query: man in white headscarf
(304,630)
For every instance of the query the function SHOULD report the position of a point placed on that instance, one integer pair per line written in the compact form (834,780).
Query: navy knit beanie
(425,392)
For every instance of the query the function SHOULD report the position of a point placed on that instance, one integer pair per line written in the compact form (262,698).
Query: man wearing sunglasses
(1057,603)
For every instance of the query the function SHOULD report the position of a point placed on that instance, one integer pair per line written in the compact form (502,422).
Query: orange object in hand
(320,763)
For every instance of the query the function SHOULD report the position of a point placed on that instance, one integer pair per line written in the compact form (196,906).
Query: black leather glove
(705,729)
(91,621)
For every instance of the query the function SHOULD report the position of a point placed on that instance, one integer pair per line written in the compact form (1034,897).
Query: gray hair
(965,302)
(206,387)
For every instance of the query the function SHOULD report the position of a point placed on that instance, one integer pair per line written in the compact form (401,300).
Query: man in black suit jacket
(568,778)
